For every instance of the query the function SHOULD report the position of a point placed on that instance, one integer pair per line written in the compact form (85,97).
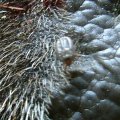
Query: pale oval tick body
(65,50)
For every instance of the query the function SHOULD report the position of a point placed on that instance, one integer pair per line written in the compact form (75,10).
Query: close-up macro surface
(60,60)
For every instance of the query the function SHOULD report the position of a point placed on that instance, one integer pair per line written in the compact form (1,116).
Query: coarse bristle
(53,3)
(27,65)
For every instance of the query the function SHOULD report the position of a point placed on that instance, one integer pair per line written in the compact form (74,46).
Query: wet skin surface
(95,93)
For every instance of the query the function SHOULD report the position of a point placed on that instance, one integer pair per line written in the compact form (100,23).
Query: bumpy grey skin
(94,94)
